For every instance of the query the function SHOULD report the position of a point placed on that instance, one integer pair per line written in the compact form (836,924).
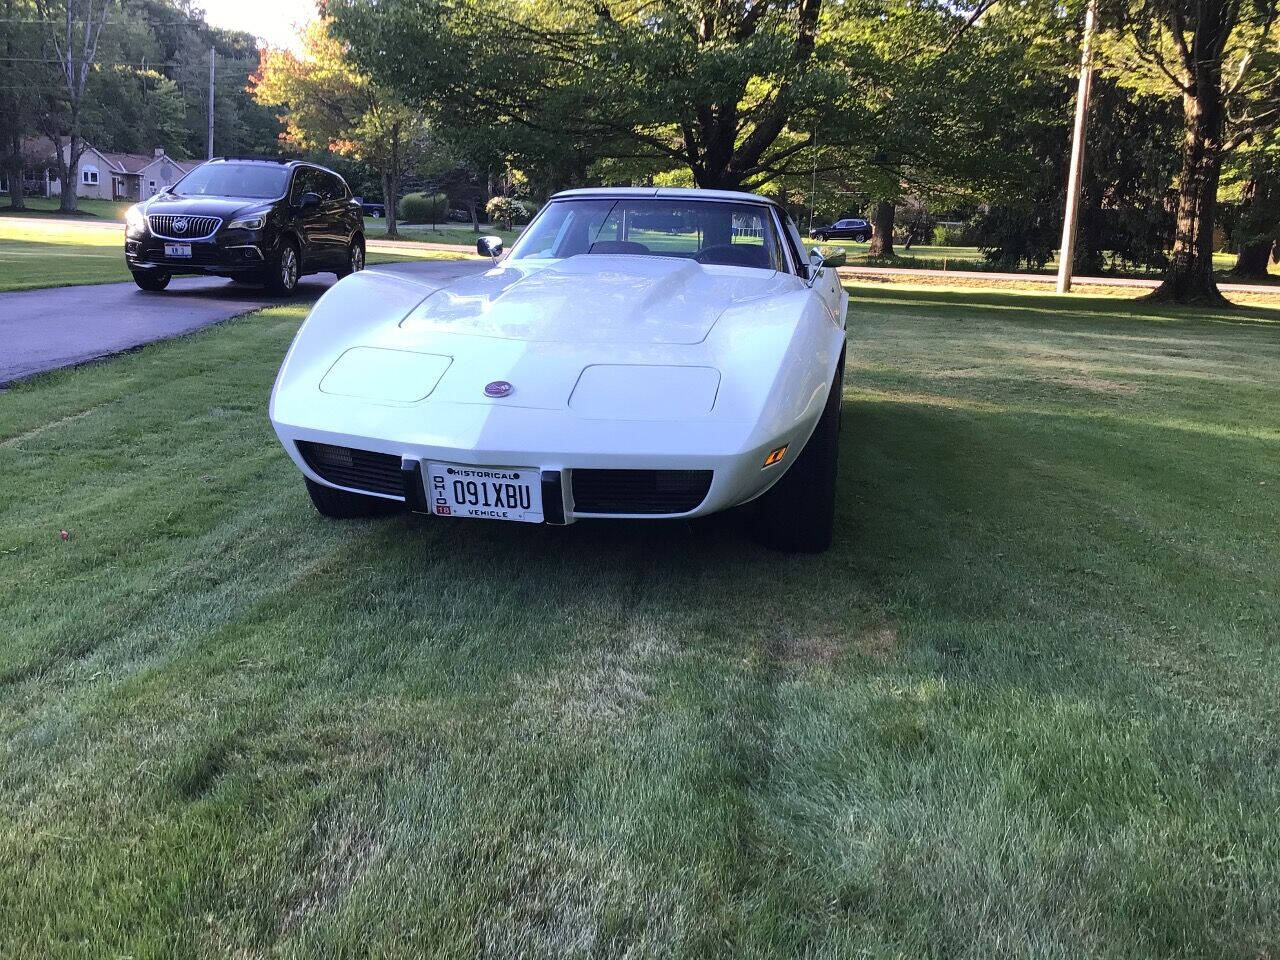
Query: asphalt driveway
(46,329)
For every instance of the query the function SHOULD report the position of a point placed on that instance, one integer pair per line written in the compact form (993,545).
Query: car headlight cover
(247,223)
(134,221)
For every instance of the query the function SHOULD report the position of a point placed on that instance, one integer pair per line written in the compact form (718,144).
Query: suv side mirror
(309,199)
(489,247)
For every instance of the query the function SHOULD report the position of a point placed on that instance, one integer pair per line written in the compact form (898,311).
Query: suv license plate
(177,249)
(489,493)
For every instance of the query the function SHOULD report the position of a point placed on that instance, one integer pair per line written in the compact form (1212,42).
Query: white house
(102,176)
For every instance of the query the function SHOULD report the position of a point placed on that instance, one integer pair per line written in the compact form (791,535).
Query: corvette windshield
(250,181)
(708,231)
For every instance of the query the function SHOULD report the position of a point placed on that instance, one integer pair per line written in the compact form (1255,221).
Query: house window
(89,176)
(151,186)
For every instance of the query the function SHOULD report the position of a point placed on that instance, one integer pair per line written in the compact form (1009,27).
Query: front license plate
(489,493)
(177,249)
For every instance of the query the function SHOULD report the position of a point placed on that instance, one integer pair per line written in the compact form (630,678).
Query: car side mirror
(309,199)
(489,247)
(818,260)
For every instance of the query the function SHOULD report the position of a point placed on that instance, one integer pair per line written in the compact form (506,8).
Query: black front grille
(639,491)
(358,469)
(162,225)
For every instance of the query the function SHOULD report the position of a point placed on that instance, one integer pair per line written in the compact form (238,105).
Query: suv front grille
(639,491)
(196,228)
(359,469)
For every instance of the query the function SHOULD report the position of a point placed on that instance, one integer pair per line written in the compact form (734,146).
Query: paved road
(46,329)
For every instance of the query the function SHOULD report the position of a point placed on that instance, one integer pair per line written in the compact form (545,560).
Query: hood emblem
(180,225)
(498,388)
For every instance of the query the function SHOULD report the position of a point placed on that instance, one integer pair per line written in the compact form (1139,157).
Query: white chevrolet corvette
(638,354)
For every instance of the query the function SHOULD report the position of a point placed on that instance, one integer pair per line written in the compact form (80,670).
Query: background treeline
(910,112)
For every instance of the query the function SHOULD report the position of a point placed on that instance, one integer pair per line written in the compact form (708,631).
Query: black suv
(264,221)
(858,230)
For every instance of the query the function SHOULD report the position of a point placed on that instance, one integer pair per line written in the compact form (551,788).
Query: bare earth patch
(878,642)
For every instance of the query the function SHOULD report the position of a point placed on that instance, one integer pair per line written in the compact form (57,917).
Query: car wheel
(797,514)
(283,270)
(861,238)
(355,259)
(820,237)
(152,282)
(345,505)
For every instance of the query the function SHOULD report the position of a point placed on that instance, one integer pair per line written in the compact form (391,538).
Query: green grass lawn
(927,257)
(60,253)
(1026,707)
(48,207)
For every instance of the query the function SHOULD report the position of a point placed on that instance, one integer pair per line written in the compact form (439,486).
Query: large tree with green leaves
(733,92)
(1220,58)
(330,105)
(73,31)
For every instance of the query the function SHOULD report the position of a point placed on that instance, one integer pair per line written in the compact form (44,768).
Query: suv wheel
(862,238)
(355,259)
(820,237)
(283,269)
(151,282)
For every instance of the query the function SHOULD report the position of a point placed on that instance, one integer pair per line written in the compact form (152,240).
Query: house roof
(39,148)
(127,162)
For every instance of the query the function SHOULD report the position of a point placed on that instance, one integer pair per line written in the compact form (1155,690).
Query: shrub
(506,211)
(949,235)
(424,208)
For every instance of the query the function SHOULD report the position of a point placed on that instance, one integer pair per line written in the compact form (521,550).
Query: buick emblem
(499,388)
(180,226)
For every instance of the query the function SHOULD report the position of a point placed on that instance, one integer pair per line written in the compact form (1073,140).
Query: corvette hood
(591,299)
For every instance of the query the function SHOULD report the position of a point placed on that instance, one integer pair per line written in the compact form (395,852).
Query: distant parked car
(263,221)
(371,208)
(859,230)
(459,215)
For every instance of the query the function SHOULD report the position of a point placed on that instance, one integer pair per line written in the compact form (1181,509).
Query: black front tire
(151,282)
(797,514)
(355,259)
(820,237)
(283,270)
(344,505)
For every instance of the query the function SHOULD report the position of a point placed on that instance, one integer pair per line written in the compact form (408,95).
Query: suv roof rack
(259,159)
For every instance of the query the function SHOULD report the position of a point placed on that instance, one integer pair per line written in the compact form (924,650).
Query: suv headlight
(247,223)
(134,222)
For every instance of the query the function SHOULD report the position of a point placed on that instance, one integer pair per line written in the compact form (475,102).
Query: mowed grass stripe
(1026,707)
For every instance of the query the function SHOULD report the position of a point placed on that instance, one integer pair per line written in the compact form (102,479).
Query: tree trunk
(1259,226)
(69,201)
(17,189)
(475,217)
(882,230)
(390,187)
(1253,259)
(17,117)
(1190,275)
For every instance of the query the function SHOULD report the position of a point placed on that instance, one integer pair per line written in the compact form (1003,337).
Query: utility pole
(212,62)
(1075,179)
(813,189)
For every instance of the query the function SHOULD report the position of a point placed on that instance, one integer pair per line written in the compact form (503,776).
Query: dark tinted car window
(334,188)
(306,180)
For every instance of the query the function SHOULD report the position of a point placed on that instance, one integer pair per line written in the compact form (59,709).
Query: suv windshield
(708,231)
(252,181)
